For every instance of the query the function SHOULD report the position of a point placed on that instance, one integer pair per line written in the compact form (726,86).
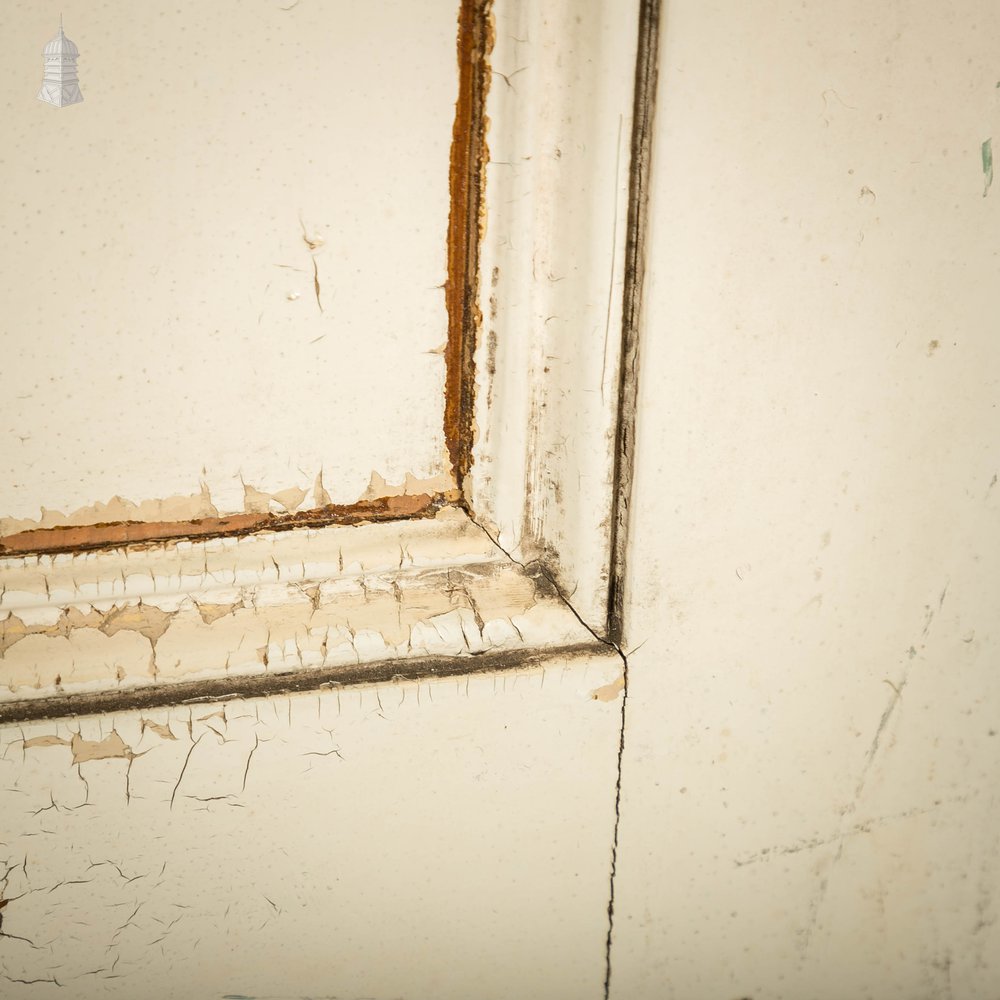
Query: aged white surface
(462,849)
(437,840)
(440,839)
(560,109)
(268,603)
(810,789)
(160,246)
(812,750)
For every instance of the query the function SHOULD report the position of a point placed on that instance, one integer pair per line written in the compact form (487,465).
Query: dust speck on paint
(987,166)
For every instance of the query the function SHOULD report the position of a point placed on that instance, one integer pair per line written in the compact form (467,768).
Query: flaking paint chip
(609,692)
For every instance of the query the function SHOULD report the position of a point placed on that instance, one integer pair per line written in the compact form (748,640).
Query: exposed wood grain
(78,538)
(465,228)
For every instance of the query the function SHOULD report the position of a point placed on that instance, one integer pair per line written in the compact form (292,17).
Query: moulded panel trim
(186,620)
(553,276)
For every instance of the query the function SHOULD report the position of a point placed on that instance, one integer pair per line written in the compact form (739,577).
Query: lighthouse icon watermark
(60,86)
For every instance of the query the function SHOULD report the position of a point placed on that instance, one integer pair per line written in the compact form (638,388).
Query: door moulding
(545,277)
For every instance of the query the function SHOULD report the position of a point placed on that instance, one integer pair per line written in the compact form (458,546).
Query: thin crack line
(611,644)
(643,105)
(614,839)
(187,760)
(538,565)
(316,284)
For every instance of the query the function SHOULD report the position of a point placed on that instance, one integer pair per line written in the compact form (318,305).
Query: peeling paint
(125,857)
(257,502)
(122,521)
(609,692)
(466,225)
(84,750)
(164,732)
(405,503)
(277,603)
(213,612)
(45,741)
(193,507)
(440,485)
(146,620)
(111,747)
(321,498)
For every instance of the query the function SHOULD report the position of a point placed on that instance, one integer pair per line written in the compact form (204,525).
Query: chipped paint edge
(111,623)
(124,534)
(465,231)
(466,228)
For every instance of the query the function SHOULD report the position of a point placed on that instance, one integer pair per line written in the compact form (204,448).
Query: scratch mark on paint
(767,854)
(507,77)
(825,115)
(316,284)
(614,253)
(313,242)
(187,760)
(987,152)
(246,770)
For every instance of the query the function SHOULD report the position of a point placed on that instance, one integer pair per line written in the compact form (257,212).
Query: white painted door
(805,743)
(336,759)
(223,272)
(812,752)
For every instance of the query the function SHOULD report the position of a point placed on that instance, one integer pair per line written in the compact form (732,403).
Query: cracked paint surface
(548,357)
(809,797)
(225,319)
(263,603)
(246,842)
(121,521)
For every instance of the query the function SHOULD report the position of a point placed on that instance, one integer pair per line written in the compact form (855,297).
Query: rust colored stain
(466,221)
(75,538)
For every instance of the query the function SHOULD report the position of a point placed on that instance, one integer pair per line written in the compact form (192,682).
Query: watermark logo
(60,86)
